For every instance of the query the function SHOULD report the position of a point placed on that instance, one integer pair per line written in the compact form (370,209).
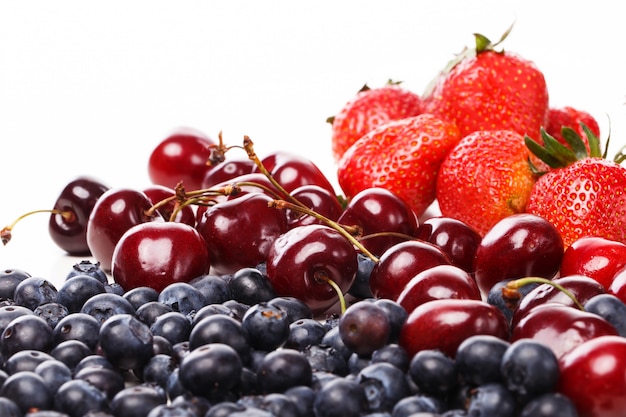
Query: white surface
(92,87)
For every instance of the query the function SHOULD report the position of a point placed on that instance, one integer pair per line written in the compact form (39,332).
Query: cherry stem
(511,288)
(323,277)
(5,233)
(282,204)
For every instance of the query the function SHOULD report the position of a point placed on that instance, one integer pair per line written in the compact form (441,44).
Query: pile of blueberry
(228,346)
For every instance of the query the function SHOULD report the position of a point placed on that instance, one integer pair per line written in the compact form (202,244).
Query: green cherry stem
(323,277)
(6,235)
(511,288)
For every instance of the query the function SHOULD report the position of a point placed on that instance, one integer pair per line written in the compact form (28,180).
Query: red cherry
(596,257)
(226,171)
(157,193)
(240,232)
(292,171)
(455,238)
(445,324)
(400,263)
(561,327)
(593,377)
(315,198)
(181,157)
(157,254)
(520,245)
(116,211)
(618,285)
(438,282)
(378,210)
(301,262)
(78,197)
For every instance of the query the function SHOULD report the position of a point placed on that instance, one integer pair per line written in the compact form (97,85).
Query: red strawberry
(485,178)
(570,117)
(368,109)
(583,194)
(402,156)
(485,89)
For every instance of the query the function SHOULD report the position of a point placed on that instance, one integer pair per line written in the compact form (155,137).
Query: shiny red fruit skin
(618,285)
(116,211)
(181,156)
(318,199)
(445,324)
(156,193)
(79,196)
(240,232)
(400,263)
(561,327)
(596,257)
(227,170)
(158,254)
(520,245)
(438,282)
(301,255)
(593,376)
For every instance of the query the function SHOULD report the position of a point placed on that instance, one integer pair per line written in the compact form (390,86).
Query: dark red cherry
(301,262)
(520,245)
(315,198)
(240,232)
(157,193)
(78,197)
(227,170)
(181,157)
(454,237)
(157,254)
(400,263)
(292,171)
(445,324)
(378,210)
(438,282)
(116,211)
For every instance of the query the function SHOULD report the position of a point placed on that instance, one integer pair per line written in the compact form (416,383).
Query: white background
(89,88)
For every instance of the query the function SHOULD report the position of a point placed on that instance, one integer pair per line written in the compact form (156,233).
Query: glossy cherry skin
(292,171)
(315,198)
(520,245)
(158,254)
(301,261)
(79,197)
(618,285)
(581,287)
(455,238)
(596,257)
(378,210)
(593,377)
(181,157)
(157,193)
(227,170)
(116,211)
(400,263)
(445,324)
(561,327)
(438,282)
(240,232)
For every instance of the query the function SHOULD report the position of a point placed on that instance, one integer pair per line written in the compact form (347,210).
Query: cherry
(596,257)
(445,324)
(379,211)
(618,285)
(227,170)
(183,156)
(454,237)
(157,254)
(438,282)
(593,377)
(400,263)
(518,246)
(314,263)
(116,211)
(157,193)
(315,198)
(560,327)
(240,232)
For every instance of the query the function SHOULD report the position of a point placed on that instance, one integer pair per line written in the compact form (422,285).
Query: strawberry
(368,109)
(486,89)
(583,194)
(402,156)
(570,117)
(485,178)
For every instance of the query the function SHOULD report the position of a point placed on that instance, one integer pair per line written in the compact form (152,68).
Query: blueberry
(340,397)
(237,308)
(393,354)
(549,405)
(105,305)
(210,369)
(96,361)
(214,288)
(417,403)
(209,310)
(283,369)
(295,308)
(24,333)
(170,410)
(529,368)
(173,326)
(8,313)
(196,404)
(250,286)
(479,357)
(139,296)
(219,328)
(433,372)
(157,370)
(149,312)
(76,397)
(303,397)
(507,305)
(333,339)
(54,372)
(108,380)
(267,326)
(34,291)
(137,400)
(52,313)
(360,287)
(25,360)
(396,314)
(78,326)
(74,292)
(182,297)
(326,358)
(491,399)
(304,333)
(126,341)
(9,279)
(70,352)
(384,385)
(611,308)
(9,408)
(28,391)
(87,267)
